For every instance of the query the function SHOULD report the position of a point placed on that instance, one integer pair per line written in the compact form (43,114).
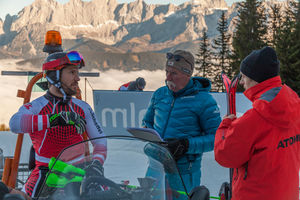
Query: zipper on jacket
(172,105)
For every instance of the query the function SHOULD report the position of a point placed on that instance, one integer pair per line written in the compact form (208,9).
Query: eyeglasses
(72,58)
(176,57)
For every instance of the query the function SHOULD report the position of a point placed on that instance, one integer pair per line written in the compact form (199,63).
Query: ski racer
(186,116)
(57,120)
(137,85)
(263,145)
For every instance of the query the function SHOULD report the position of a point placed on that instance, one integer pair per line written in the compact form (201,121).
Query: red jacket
(264,144)
(124,86)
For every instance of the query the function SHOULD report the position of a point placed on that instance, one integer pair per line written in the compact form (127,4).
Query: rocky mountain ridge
(112,35)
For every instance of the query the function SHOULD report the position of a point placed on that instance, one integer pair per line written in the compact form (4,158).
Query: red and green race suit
(48,142)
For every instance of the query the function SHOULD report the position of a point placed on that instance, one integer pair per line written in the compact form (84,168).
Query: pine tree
(251,29)
(221,46)
(204,57)
(275,22)
(288,47)
(292,76)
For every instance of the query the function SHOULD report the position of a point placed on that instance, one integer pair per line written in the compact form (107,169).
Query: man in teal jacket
(186,116)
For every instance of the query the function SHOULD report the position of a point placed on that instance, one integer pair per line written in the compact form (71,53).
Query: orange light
(53,38)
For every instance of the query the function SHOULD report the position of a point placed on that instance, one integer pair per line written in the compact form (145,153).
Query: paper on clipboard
(145,133)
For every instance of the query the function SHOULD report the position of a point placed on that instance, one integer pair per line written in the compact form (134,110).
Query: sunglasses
(177,58)
(72,58)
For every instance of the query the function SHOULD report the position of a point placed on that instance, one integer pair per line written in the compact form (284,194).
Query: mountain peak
(75,1)
(131,27)
(108,22)
(42,2)
(210,3)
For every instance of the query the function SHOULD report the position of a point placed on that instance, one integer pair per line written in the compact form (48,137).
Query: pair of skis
(230,87)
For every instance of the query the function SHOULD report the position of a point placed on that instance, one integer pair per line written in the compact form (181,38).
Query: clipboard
(145,133)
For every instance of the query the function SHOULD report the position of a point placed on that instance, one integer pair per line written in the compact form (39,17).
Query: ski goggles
(71,58)
(177,58)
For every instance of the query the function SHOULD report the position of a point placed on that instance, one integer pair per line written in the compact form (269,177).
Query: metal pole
(1,159)
(85,79)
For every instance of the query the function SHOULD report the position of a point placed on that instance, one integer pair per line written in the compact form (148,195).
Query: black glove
(68,118)
(94,169)
(177,147)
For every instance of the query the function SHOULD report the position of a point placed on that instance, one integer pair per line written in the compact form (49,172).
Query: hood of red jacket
(283,110)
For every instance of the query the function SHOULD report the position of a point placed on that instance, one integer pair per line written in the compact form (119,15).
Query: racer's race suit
(49,141)
(124,86)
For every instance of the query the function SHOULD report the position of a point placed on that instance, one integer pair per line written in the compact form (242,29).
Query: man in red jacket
(263,145)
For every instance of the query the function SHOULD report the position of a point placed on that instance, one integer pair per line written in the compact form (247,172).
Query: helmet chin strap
(58,85)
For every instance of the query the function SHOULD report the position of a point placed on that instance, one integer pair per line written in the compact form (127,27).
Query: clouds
(109,80)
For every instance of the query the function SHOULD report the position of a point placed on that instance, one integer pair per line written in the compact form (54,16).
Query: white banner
(116,110)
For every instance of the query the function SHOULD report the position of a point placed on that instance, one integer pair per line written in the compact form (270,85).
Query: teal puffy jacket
(189,113)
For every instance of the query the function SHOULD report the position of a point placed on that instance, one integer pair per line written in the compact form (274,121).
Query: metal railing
(23,174)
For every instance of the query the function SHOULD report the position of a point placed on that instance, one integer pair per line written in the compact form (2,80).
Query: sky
(12,7)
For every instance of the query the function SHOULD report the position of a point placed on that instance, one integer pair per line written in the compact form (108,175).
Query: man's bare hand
(231,116)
